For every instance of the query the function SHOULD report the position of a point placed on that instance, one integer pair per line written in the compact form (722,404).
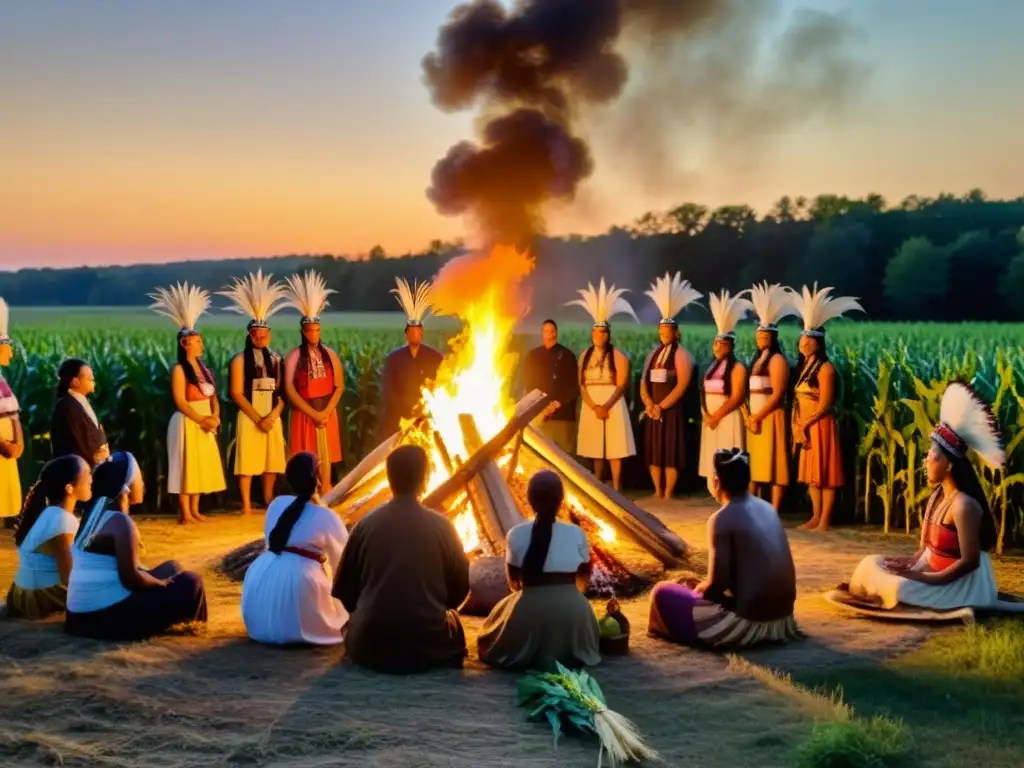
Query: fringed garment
(821,459)
(258,452)
(314,381)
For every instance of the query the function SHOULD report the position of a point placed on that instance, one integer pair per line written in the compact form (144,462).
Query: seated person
(44,536)
(951,568)
(748,595)
(286,595)
(402,576)
(546,619)
(110,595)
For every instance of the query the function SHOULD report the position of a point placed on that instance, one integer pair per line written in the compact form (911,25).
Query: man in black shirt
(552,369)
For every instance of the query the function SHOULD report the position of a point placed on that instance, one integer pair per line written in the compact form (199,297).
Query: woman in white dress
(286,595)
(724,390)
(605,432)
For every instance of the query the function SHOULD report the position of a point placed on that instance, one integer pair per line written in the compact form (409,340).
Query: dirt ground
(218,699)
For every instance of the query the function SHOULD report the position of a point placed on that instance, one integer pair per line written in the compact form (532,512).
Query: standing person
(666,377)
(286,595)
(725,385)
(194,465)
(74,427)
(409,367)
(815,429)
(605,432)
(12,438)
(257,388)
(314,380)
(552,368)
(47,526)
(768,385)
(403,576)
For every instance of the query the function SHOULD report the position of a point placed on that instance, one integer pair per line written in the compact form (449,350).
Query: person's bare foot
(822,527)
(246,511)
(810,525)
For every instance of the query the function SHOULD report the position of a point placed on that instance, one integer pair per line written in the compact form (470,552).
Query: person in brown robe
(402,577)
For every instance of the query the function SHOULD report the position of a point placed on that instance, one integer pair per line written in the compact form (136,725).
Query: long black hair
(68,370)
(729,361)
(190,372)
(49,489)
(609,355)
(545,494)
(270,360)
(303,472)
(822,356)
(966,481)
(775,348)
(110,481)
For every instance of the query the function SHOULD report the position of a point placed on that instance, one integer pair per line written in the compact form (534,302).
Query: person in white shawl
(724,388)
(286,595)
(605,432)
(951,568)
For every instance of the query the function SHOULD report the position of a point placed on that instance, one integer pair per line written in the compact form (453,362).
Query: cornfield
(891,381)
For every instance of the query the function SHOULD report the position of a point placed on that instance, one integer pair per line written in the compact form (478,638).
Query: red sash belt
(309,554)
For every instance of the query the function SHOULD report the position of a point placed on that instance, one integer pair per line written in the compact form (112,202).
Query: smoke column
(534,73)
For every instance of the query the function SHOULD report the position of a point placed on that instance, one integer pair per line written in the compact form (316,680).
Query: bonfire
(482,447)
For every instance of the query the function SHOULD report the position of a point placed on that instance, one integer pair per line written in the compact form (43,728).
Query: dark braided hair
(49,489)
(775,348)
(303,473)
(190,372)
(270,360)
(609,355)
(545,493)
(729,361)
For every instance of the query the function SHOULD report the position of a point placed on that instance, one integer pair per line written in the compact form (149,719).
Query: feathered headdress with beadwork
(603,304)
(771,303)
(256,297)
(415,301)
(5,319)
(967,423)
(308,293)
(818,307)
(728,311)
(183,303)
(670,295)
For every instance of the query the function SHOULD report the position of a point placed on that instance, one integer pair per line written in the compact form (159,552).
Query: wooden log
(526,411)
(372,461)
(645,528)
(513,461)
(502,503)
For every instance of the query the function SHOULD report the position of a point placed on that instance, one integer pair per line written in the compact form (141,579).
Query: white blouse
(37,570)
(568,551)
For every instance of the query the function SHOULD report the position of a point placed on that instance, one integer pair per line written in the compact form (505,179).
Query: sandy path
(220,700)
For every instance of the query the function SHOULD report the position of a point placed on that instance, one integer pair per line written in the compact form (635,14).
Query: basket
(619,644)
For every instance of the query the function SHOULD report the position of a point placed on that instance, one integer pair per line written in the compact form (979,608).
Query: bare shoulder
(621,357)
(965,504)
(683,357)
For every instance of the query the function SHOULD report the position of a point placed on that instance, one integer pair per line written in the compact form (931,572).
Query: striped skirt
(681,615)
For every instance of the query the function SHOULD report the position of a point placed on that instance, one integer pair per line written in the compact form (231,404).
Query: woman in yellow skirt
(768,384)
(257,385)
(194,465)
(12,439)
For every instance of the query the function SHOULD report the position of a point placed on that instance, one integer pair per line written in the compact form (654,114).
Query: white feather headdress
(5,319)
(308,293)
(670,295)
(771,303)
(415,301)
(183,303)
(728,311)
(256,297)
(604,303)
(818,307)
(966,422)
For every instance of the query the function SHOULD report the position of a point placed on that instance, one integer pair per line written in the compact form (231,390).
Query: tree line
(948,258)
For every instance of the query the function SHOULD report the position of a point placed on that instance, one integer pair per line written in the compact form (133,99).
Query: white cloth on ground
(286,598)
(975,590)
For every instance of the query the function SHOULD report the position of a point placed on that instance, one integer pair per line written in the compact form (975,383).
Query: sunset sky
(152,131)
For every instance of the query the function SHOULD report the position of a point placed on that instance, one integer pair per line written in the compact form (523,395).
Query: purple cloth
(671,614)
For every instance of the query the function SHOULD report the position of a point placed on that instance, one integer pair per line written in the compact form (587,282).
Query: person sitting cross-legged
(748,595)
(402,576)
(546,619)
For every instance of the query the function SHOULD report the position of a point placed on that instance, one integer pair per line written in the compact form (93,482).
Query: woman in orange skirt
(815,430)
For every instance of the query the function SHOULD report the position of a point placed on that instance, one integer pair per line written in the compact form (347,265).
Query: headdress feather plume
(308,293)
(972,424)
(255,296)
(183,303)
(728,311)
(5,319)
(415,301)
(817,307)
(604,303)
(670,295)
(771,303)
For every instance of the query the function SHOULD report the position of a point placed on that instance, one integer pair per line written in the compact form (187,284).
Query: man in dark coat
(552,368)
(402,577)
(74,427)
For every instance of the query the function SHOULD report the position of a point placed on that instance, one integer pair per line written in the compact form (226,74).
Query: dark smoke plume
(535,72)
